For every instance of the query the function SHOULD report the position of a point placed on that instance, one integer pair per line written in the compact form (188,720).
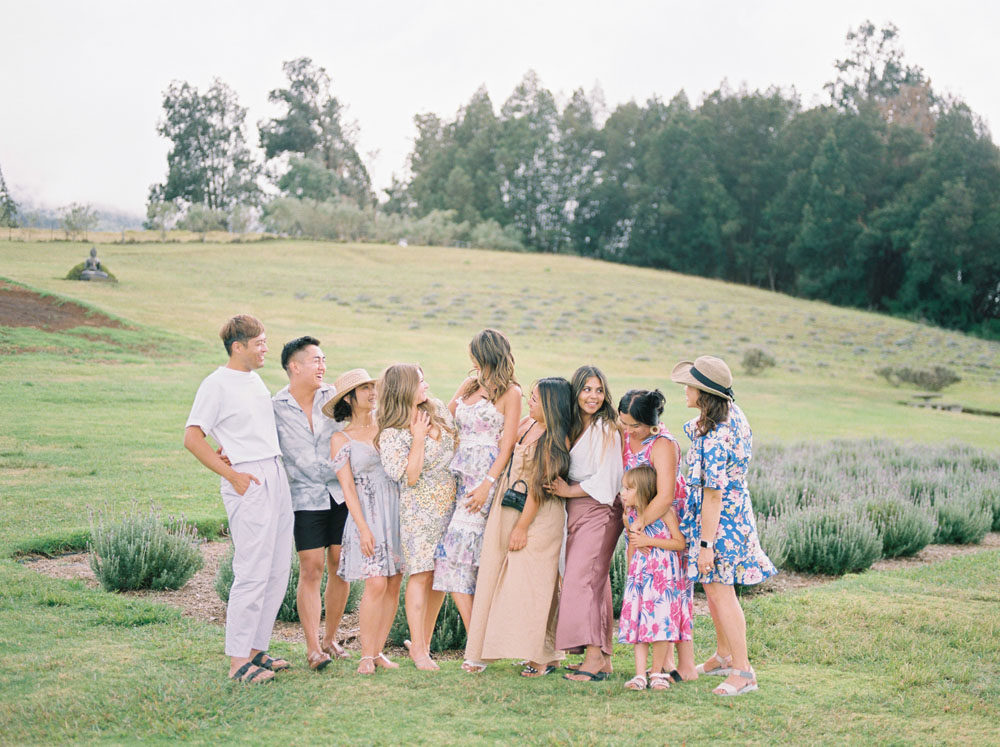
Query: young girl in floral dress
(656,609)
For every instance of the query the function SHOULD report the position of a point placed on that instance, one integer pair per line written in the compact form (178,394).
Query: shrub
(142,551)
(963,520)
(773,538)
(932,379)
(619,574)
(491,235)
(449,631)
(756,360)
(77,271)
(832,539)
(354,596)
(289,611)
(904,527)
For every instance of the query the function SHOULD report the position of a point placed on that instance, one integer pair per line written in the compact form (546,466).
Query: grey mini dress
(379,498)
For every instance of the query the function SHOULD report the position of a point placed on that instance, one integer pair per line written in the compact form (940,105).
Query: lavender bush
(910,494)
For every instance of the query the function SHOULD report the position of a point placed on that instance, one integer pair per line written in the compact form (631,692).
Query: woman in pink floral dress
(647,441)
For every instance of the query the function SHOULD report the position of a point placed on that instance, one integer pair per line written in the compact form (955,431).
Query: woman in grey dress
(371,547)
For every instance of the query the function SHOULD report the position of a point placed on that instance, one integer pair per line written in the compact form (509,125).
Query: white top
(595,461)
(234,408)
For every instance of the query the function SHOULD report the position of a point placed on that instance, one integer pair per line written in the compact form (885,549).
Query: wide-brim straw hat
(346,383)
(707,373)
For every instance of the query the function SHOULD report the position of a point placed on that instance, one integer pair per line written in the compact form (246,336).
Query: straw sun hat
(707,373)
(345,384)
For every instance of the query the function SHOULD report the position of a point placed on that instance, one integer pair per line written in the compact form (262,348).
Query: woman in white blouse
(593,525)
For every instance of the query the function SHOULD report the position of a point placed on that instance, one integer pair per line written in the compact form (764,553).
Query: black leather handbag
(512,497)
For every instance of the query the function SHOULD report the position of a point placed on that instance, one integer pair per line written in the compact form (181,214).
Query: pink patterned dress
(655,605)
(642,456)
(456,559)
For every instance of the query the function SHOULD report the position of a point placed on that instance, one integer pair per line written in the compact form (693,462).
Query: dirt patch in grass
(198,598)
(20,307)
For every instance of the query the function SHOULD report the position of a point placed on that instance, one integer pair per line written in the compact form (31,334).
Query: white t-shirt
(595,461)
(234,408)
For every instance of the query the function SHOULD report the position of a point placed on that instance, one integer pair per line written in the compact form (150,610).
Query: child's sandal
(659,681)
(636,683)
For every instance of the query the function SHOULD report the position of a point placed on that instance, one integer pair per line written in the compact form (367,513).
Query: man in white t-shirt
(233,406)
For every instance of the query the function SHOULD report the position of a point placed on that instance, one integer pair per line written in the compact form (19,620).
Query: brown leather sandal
(318,660)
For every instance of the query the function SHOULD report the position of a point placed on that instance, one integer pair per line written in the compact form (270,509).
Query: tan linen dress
(517,593)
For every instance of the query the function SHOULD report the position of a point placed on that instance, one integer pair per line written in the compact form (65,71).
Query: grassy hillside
(94,416)
(372,305)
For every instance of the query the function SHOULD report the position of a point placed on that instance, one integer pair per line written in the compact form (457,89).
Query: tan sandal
(335,651)
(381,660)
(318,660)
(362,669)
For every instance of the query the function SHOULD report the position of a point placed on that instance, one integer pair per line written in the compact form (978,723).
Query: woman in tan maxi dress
(517,591)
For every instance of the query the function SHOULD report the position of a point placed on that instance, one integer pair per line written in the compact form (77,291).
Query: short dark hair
(342,410)
(642,405)
(240,328)
(291,348)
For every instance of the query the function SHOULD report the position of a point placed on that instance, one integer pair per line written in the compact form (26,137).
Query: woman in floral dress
(647,441)
(416,443)
(372,550)
(719,524)
(486,408)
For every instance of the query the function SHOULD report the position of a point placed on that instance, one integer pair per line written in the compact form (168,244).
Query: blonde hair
(397,388)
(490,349)
(643,479)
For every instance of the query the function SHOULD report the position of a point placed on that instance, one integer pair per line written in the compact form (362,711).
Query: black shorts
(315,529)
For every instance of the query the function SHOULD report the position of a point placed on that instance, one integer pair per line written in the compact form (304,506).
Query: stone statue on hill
(92,267)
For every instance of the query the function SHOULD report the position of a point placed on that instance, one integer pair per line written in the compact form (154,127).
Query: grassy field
(907,657)
(95,416)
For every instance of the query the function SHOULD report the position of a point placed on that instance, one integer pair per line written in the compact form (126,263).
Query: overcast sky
(83,81)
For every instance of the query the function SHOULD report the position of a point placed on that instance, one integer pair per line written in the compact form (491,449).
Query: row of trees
(213,180)
(75,219)
(888,197)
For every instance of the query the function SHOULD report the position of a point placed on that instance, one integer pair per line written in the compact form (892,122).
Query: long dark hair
(551,457)
(607,411)
(714,410)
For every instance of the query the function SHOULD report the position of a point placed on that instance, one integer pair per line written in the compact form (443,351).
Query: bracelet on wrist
(491,478)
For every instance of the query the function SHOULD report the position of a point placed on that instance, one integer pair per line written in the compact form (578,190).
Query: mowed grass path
(902,657)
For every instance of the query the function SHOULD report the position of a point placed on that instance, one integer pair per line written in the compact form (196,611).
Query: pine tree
(8,208)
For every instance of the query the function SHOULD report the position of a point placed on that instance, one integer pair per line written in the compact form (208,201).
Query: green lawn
(95,416)
(902,657)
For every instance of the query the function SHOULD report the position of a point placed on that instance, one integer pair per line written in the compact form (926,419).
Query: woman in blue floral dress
(718,524)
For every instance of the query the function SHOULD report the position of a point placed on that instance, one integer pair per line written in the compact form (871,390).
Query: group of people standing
(516,517)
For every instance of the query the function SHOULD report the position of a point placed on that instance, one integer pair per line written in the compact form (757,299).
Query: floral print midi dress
(719,460)
(456,560)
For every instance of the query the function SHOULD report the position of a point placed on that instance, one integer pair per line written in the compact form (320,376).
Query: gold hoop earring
(655,430)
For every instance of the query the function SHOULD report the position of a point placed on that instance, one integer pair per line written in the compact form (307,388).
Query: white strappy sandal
(636,683)
(723,671)
(730,690)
